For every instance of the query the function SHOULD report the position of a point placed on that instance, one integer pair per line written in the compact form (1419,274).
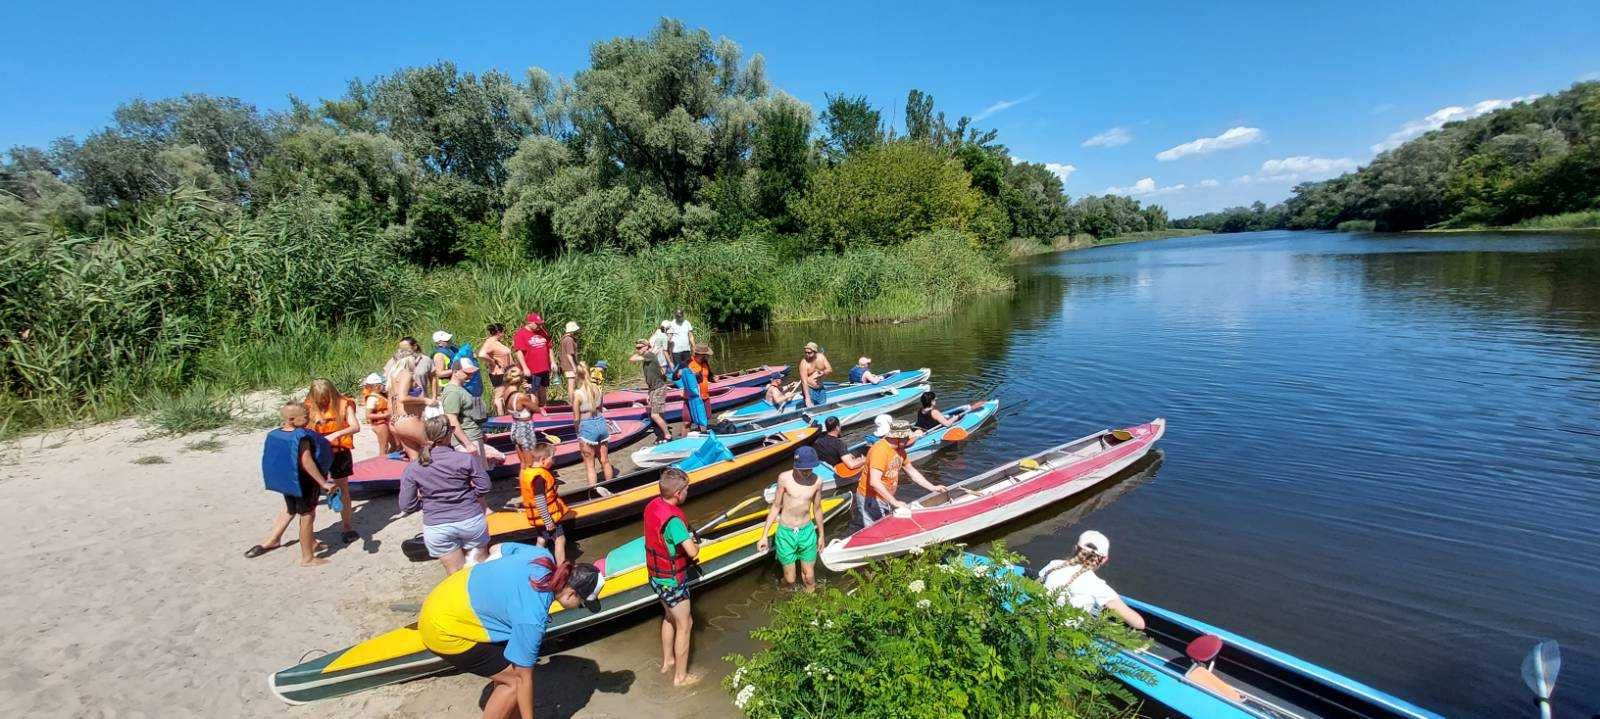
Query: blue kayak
(745,433)
(834,396)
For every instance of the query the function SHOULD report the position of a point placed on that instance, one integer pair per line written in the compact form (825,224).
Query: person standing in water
(1073,580)
(333,415)
(797,507)
(669,549)
(813,367)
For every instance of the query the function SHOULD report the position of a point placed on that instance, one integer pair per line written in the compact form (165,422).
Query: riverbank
(1027,246)
(1578,221)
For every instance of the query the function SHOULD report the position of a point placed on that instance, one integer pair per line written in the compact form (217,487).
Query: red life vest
(660,563)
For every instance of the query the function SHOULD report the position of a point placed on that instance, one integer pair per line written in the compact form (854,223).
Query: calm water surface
(1382,453)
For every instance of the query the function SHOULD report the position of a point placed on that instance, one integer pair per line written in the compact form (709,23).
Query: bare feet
(686,680)
(313,562)
(666,667)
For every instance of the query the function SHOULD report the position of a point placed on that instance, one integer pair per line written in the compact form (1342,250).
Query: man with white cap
(568,356)
(862,373)
(1074,582)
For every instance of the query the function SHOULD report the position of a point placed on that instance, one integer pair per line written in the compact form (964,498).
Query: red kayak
(381,475)
(754,377)
(559,415)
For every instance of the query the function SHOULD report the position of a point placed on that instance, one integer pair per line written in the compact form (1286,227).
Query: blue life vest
(858,374)
(474,383)
(280,458)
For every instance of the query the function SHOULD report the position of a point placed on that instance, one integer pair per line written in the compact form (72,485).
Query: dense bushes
(888,194)
(927,638)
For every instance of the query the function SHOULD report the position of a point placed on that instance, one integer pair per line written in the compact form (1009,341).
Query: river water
(1383,452)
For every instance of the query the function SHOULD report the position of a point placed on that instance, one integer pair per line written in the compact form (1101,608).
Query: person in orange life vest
(375,400)
(333,416)
(541,501)
(669,549)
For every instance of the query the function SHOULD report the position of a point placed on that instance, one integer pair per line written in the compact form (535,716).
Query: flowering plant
(928,636)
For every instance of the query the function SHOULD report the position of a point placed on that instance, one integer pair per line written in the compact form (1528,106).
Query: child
(541,502)
(333,415)
(295,462)
(797,508)
(376,401)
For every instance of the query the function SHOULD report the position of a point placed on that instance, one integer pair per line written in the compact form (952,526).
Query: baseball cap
(441,336)
(880,425)
(373,378)
(602,364)
(901,429)
(1095,542)
(587,581)
(572,326)
(534,318)
(805,459)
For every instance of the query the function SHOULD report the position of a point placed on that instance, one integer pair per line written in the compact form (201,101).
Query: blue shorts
(818,395)
(594,430)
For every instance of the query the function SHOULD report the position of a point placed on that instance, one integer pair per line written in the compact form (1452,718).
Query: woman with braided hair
(1074,582)
(449,487)
(489,619)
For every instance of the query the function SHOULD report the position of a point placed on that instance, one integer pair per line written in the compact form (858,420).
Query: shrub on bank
(921,637)
(1356,226)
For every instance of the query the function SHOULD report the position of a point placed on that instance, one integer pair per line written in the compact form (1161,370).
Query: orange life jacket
(552,498)
(379,407)
(328,423)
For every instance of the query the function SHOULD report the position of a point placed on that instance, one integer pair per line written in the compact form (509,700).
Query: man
(295,463)
(531,342)
(568,356)
(655,384)
(669,548)
(661,345)
(831,450)
(681,334)
(862,373)
(886,461)
(798,508)
(466,414)
(814,366)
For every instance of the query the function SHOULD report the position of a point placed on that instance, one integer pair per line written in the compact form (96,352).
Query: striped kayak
(625,496)
(746,433)
(1000,494)
(561,415)
(834,395)
(399,655)
(381,474)
(968,417)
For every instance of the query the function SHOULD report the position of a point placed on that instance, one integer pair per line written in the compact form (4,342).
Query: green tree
(889,194)
(849,125)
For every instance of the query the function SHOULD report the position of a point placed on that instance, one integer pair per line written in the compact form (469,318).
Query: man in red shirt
(532,345)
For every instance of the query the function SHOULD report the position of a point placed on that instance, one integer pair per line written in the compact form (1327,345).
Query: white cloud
(1060,170)
(1234,137)
(1299,168)
(1145,186)
(1004,105)
(1209,183)
(1453,113)
(1110,138)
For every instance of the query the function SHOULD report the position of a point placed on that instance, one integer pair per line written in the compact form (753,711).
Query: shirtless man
(798,504)
(814,366)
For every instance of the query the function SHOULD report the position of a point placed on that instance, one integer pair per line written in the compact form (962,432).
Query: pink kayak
(381,475)
(561,415)
(753,377)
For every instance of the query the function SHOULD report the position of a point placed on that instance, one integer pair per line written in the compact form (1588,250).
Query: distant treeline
(1515,166)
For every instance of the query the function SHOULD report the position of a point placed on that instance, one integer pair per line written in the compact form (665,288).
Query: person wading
(669,550)
(797,507)
(886,461)
(813,367)
(333,415)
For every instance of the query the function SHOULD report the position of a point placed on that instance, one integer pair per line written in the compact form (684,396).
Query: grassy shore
(1020,247)
(1588,220)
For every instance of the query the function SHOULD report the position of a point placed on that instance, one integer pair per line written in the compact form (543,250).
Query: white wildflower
(980,570)
(916,586)
(923,604)
(827,624)
(916,550)
(738,677)
(744,696)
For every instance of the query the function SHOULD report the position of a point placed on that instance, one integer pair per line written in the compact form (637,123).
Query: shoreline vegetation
(198,249)
(1021,247)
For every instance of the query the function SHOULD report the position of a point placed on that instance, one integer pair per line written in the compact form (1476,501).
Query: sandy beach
(133,597)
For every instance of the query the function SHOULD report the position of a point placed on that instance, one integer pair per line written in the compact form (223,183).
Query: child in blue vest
(295,463)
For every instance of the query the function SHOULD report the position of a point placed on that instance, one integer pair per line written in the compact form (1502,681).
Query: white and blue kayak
(855,412)
(834,396)
(969,418)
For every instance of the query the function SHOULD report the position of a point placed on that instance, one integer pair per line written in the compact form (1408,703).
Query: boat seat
(1202,651)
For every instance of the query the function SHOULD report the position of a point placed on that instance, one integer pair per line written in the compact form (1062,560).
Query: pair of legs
(510,682)
(676,624)
(386,439)
(596,454)
(797,547)
(451,542)
(306,511)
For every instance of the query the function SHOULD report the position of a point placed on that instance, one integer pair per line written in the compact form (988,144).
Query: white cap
(441,336)
(882,424)
(373,378)
(572,326)
(1095,542)
(864,361)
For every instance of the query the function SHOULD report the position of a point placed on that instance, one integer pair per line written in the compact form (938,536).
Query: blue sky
(1216,106)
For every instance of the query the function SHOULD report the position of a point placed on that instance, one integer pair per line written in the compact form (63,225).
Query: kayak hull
(673,411)
(836,394)
(381,474)
(996,496)
(753,377)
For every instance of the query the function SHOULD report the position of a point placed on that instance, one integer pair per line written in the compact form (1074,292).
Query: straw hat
(901,429)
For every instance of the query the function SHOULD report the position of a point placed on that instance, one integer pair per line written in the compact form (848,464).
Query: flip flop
(349,537)
(257,551)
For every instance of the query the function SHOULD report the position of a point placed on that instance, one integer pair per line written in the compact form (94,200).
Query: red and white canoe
(996,496)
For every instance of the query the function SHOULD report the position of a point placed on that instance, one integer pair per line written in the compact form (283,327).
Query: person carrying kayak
(862,373)
(1074,582)
(813,367)
(797,507)
(886,461)
(333,415)
(669,549)
(489,619)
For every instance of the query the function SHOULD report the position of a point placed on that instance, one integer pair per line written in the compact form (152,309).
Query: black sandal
(257,551)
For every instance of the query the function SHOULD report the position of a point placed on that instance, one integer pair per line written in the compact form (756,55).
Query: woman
(489,620)
(588,420)
(407,400)
(929,416)
(376,401)
(333,416)
(448,486)
(520,404)
(496,359)
(1074,582)
(701,364)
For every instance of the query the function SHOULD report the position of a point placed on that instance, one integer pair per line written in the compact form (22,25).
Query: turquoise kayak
(834,396)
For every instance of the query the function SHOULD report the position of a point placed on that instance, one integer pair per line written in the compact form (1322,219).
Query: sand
(130,595)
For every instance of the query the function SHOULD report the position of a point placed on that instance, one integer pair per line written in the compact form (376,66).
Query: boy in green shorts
(798,509)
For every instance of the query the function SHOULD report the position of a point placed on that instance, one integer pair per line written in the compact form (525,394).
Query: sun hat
(813,347)
(534,318)
(805,459)
(441,336)
(664,325)
(703,349)
(572,326)
(373,378)
(1095,542)
(864,361)
(901,429)
(587,581)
